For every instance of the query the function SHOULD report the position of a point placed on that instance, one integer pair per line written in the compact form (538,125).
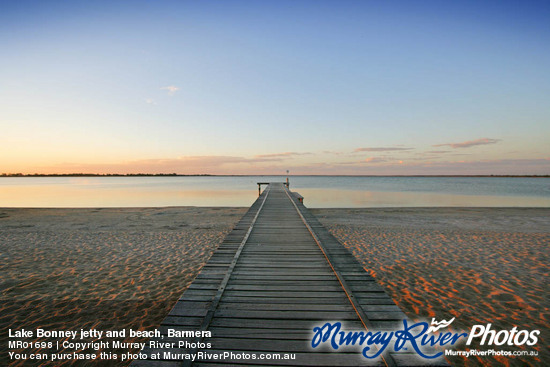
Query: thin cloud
(280,155)
(150,101)
(469,143)
(172,89)
(380,149)
(374,160)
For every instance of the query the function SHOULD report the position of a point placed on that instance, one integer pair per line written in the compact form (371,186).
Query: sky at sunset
(259,87)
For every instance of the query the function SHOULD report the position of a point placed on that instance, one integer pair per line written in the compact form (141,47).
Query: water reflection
(85,196)
(333,198)
(324,192)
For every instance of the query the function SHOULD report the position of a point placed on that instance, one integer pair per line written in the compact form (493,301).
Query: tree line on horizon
(207,174)
(94,174)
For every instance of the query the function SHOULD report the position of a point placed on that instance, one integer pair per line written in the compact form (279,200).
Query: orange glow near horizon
(311,164)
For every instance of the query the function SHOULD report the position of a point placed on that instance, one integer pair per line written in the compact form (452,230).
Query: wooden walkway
(277,275)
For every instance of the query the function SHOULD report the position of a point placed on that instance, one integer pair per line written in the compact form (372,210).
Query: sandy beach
(479,265)
(124,268)
(108,269)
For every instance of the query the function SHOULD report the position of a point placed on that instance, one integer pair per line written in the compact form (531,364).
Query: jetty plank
(274,278)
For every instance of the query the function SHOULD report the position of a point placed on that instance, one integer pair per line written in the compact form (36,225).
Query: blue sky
(317,87)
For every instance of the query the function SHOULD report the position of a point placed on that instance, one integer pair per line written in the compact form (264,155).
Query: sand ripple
(110,269)
(435,268)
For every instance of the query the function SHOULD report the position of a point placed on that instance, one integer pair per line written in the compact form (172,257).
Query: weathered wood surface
(277,275)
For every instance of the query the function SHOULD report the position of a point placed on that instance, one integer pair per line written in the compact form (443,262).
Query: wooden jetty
(275,277)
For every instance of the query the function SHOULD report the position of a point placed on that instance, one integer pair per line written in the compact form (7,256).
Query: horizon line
(241,175)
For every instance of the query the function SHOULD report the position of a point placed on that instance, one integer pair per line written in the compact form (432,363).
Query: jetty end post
(287,182)
(260,187)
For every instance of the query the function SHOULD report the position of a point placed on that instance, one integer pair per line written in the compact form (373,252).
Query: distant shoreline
(211,175)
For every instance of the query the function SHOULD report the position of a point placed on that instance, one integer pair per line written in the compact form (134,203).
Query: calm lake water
(318,191)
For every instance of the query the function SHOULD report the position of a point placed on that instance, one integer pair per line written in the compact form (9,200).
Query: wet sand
(125,268)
